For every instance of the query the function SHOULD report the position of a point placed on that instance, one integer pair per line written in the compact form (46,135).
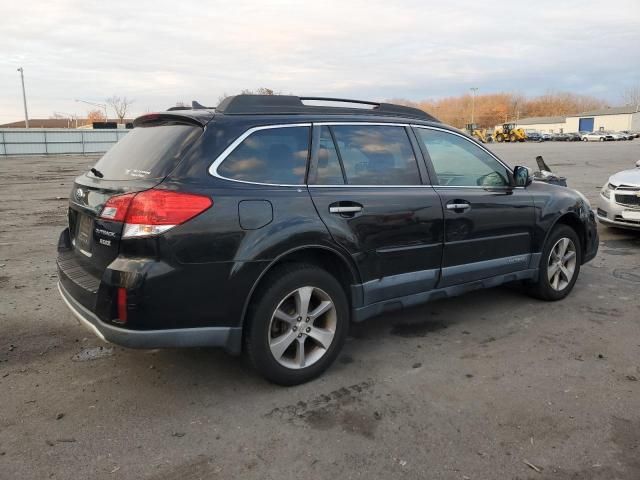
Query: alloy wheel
(302,327)
(561,265)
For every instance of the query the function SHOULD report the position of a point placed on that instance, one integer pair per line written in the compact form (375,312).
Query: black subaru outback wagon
(269,223)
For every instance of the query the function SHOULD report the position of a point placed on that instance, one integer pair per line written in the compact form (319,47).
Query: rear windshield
(147,152)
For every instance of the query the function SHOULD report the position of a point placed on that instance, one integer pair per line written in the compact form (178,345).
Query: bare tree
(120,105)
(631,96)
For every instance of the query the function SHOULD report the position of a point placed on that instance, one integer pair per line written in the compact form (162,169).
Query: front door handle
(458,206)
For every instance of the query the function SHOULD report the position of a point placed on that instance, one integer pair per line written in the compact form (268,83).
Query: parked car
(574,136)
(633,134)
(615,135)
(546,136)
(619,204)
(626,135)
(560,137)
(266,226)
(533,136)
(597,137)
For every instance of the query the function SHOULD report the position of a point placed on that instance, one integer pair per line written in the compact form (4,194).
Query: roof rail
(290,104)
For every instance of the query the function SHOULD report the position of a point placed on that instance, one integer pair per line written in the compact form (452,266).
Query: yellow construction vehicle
(509,133)
(479,134)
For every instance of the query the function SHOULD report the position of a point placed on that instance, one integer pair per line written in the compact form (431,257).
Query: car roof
(282,107)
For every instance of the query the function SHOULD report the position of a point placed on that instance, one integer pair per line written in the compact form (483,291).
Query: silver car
(619,204)
(597,137)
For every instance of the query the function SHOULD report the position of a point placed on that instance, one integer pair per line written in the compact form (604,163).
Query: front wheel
(559,265)
(297,324)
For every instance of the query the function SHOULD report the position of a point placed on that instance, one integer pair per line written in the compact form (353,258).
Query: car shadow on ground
(219,371)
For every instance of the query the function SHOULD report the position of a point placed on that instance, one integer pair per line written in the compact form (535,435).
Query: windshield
(147,152)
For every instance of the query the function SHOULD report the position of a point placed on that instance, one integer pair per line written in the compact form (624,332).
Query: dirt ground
(492,385)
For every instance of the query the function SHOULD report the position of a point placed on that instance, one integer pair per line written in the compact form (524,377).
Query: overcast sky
(159,52)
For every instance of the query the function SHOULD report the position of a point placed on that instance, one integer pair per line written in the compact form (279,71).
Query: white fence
(43,141)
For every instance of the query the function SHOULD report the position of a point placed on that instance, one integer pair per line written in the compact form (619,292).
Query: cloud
(160,52)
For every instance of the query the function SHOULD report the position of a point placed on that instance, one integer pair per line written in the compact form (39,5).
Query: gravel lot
(493,385)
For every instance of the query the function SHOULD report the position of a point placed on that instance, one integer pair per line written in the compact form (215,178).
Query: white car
(619,203)
(597,137)
(616,135)
(626,135)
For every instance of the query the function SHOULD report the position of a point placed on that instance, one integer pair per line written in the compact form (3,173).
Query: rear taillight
(153,212)
(116,207)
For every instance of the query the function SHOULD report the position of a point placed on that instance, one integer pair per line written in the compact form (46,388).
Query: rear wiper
(96,172)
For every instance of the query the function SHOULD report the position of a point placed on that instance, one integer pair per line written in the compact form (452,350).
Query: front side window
(376,155)
(274,155)
(459,162)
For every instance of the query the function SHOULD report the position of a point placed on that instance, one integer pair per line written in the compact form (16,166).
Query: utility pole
(473,103)
(24,99)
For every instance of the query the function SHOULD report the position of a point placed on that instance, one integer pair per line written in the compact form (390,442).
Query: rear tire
(559,265)
(297,324)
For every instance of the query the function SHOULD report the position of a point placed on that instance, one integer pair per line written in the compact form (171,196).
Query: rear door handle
(345,209)
(342,208)
(458,206)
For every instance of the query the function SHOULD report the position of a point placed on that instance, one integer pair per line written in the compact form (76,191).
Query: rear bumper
(228,338)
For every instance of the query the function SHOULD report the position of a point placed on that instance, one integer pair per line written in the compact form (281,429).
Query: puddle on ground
(420,329)
(87,354)
(618,252)
(628,275)
(629,242)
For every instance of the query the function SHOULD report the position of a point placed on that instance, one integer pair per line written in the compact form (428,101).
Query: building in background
(614,119)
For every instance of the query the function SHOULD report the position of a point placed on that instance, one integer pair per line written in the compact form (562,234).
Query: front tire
(297,324)
(559,265)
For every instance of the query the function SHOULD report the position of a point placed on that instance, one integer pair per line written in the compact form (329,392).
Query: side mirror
(638,164)
(521,177)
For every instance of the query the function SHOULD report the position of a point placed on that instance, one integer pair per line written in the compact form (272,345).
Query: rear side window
(274,155)
(148,152)
(376,155)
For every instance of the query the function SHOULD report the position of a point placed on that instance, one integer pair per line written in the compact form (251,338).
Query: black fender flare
(349,263)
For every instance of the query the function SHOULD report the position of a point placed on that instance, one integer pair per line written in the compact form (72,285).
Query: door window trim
(213,169)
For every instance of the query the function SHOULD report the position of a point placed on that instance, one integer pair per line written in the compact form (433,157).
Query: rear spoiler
(198,118)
